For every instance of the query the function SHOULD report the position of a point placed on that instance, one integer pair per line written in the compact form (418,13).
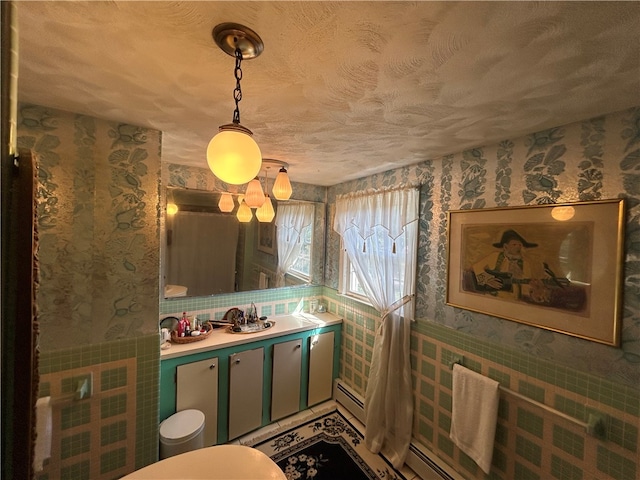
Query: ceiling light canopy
(233,155)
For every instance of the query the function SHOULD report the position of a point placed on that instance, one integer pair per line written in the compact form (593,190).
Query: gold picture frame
(557,267)
(267,237)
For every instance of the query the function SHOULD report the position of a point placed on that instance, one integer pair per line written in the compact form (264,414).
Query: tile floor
(302,417)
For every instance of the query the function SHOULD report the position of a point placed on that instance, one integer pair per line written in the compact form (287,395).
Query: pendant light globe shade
(226,203)
(282,186)
(244,214)
(266,213)
(254,196)
(233,156)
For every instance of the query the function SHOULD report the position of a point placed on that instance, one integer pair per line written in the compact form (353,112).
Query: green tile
(563,470)
(114,405)
(79,471)
(444,422)
(370,339)
(348,328)
(75,445)
(445,445)
(75,414)
(530,422)
(428,370)
(113,460)
(446,379)
(427,390)
(445,401)
(504,379)
(112,433)
(502,435)
(532,391)
(426,411)
(425,430)
(467,463)
(568,441)
(523,473)
(528,450)
(429,349)
(503,409)
(622,433)
(499,460)
(358,349)
(615,465)
(113,378)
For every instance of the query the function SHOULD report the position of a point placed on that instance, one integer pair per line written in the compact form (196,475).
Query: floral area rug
(326,448)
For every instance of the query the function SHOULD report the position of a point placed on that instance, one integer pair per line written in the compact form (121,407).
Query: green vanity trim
(168,373)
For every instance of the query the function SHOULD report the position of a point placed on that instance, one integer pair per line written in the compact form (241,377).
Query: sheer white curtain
(379,233)
(291,218)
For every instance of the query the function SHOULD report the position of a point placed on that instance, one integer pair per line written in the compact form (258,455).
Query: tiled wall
(97,298)
(114,431)
(530,442)
(595,159)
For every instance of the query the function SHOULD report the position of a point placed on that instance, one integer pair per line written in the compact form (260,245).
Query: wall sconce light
(225,204)
(233,156)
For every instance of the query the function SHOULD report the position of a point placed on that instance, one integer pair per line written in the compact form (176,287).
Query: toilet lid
(182,424)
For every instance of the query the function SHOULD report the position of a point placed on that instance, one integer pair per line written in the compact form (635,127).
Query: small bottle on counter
(187,325)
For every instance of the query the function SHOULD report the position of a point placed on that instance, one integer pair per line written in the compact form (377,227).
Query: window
(379,238)
(302,266)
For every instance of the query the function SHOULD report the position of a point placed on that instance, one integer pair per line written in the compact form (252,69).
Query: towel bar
(595,426)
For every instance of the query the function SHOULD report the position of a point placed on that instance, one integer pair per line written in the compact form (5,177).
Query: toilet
(181,432)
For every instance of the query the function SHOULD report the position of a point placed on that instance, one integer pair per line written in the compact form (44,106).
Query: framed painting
(267,237)
(557,267)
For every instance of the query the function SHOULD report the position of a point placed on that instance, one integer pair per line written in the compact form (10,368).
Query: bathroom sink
(256,327)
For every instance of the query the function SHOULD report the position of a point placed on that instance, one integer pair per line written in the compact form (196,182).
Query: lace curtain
(291,219)
(379,233)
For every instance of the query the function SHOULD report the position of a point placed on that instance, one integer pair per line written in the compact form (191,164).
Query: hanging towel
(263,281)
(43,432)
(474,414)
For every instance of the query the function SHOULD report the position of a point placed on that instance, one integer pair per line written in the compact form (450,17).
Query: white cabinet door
(197,387)
(285,383)
(320,368)
(245,391)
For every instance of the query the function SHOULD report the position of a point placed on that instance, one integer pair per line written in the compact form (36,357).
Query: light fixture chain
(237,92)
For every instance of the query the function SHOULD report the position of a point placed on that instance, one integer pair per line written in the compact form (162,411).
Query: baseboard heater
(424,463)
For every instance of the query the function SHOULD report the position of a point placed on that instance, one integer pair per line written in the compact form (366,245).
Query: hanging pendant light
(254,195)
(233,156)
(244,214)
(226,202)
(282,186)
(266,213)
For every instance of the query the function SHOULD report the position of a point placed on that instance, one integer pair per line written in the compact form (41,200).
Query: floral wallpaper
(97,218)
(595,159)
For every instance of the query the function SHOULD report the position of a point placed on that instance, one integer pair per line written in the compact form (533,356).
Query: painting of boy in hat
(514,271)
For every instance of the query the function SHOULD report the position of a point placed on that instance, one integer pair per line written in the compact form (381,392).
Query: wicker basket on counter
(176,339)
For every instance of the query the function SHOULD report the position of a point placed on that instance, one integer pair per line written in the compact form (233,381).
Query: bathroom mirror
(208,252)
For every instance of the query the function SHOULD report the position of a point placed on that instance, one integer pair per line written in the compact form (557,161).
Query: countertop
(222,338)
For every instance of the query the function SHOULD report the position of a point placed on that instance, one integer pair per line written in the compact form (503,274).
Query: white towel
(43,432)
(474,414)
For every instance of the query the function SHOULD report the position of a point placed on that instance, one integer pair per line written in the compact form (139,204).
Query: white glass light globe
(233,156)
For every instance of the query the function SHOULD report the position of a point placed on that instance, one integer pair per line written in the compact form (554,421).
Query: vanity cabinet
(245,382)
(285,382)
(245,391)
(197,387)
(321,348)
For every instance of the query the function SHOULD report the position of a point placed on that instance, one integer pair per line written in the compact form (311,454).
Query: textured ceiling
(342,89)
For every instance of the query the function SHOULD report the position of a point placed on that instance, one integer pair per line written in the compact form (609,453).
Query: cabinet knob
(298,346)
(237,360)
(212,366)
(314,343)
